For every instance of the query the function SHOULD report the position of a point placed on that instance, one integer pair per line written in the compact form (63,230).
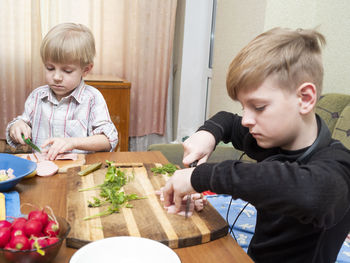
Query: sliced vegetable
(91,168)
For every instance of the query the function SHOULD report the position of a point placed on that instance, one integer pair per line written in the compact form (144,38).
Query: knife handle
(194,164)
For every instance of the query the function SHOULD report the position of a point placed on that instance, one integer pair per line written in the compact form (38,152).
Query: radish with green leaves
(18,223)
(20,243)
(39,215)
(33,227)
(17,232)
(52,229)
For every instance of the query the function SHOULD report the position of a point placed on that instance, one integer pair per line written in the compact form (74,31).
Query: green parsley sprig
(111,193)
(165,169)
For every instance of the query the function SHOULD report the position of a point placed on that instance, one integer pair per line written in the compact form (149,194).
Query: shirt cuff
(8,137)
(111,133)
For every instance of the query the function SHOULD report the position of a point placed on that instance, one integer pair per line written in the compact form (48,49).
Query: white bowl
(125,249)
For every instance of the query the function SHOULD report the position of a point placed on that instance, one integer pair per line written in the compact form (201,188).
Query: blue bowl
(21,167)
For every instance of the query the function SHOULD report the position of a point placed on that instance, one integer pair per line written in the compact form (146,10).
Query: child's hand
(19,128)
(57,145)
(177,187)
(198,146)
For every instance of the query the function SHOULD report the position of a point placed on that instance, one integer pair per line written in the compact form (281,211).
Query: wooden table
(52,191)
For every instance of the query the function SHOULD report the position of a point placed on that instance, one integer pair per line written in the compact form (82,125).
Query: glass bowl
(32,256)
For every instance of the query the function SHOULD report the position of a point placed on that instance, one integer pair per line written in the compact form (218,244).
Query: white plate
(125,249)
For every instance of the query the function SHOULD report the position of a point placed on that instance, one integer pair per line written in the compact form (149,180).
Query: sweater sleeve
(226,126)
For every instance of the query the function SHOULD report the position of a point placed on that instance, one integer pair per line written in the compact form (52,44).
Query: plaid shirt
(81,114)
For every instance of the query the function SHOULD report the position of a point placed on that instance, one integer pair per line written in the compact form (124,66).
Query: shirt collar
(76,94)
(78,91)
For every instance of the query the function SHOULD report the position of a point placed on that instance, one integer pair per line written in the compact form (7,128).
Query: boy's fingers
(194,157)
(187,160)
(202,160)
(168,193)
(18,137)
(47,143)
(178,202)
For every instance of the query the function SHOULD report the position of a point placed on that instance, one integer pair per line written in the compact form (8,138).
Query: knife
(188,197)
(31,144)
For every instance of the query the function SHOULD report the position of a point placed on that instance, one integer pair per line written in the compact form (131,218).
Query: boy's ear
(307,95)
(87,69)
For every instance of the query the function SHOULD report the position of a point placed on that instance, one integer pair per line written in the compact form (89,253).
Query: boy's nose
(248,119)
(57,76)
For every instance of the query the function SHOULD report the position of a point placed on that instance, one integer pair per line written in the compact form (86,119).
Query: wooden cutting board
(146,219)
(64,165)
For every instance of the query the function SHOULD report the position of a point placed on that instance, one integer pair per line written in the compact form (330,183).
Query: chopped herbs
(165,169)
(111,193)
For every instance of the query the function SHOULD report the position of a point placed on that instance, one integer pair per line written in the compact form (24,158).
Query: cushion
(330,106)
(341,130)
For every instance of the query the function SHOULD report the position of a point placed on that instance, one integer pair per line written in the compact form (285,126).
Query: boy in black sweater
(300,184)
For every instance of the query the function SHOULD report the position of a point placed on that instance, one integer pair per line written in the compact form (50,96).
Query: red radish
(41,242)
(8,247)
(4,223)
(52,240)
(39,215)
(18,223)
(33,227)
(52,229)
(20,243)
(5,235)
(17,232)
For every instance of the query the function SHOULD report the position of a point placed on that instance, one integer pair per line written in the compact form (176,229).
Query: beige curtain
(133,41)
(20,65)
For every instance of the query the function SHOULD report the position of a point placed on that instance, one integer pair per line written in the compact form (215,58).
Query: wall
(190,63)
(239,21)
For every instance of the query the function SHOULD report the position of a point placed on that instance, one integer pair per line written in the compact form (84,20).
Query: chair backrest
(334,109)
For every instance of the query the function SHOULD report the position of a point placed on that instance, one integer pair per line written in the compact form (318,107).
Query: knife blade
(188,197)
(31,144)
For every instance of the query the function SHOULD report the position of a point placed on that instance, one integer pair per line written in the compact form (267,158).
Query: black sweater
(302,197)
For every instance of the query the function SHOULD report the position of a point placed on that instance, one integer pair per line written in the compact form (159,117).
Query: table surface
(52,191)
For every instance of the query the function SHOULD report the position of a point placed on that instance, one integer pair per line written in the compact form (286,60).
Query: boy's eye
(49,68)
(68,71)
(260,108)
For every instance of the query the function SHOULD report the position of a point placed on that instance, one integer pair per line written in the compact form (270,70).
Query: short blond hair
(293,56)
(68,43)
